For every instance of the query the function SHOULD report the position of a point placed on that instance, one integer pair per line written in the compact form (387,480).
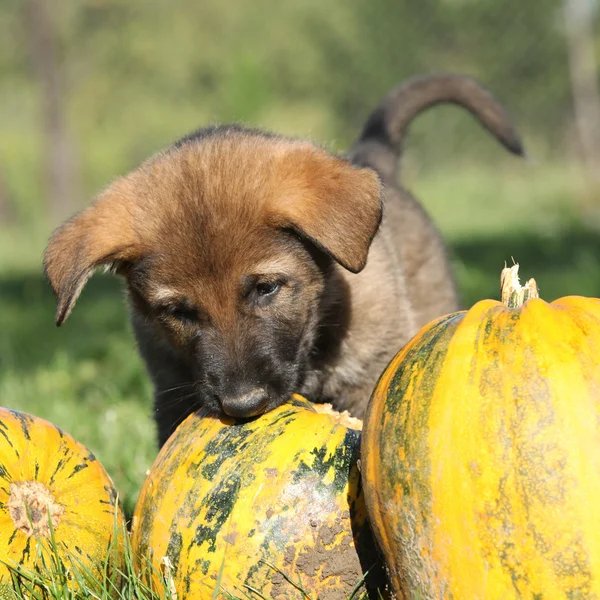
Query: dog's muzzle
(251,404)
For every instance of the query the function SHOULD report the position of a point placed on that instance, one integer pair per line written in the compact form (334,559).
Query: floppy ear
(336,205)
(101,235)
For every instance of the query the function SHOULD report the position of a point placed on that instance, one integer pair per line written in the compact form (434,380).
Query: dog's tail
(380,144)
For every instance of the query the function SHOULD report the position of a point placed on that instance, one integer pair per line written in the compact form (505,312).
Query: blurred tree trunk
(7,208)
(41,20)
(579,17)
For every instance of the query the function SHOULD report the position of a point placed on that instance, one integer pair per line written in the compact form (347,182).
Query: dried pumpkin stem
(513,294)
(343,418)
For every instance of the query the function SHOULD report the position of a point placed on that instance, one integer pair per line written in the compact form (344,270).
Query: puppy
(257,266)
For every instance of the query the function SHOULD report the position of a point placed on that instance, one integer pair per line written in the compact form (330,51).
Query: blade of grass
(255,591)
(287,578)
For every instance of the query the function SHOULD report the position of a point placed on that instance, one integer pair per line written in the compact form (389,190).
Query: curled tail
(380,144)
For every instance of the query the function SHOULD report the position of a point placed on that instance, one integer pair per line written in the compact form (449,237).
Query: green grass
(87,377)
(57,574)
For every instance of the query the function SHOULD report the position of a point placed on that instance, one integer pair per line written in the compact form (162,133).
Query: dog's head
(225,240)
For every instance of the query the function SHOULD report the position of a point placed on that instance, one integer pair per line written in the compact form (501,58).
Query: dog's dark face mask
(245,317)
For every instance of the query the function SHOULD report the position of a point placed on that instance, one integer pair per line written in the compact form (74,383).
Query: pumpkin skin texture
(481,455)
(224,500)
(45,475)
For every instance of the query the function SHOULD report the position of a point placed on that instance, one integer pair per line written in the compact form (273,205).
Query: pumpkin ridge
(482,331)
(570,565)
(24,420)
(4,474)
(404,393)
(4,434)
(573,569)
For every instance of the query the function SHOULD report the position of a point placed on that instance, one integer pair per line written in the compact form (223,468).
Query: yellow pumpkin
(267,505)
(51,485)
(481,452)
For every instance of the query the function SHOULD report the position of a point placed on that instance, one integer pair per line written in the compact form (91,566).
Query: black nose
(246,405)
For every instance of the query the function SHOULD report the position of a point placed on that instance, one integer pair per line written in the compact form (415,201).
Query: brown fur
(245,256)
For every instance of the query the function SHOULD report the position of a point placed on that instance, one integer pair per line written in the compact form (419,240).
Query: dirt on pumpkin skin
(330,557)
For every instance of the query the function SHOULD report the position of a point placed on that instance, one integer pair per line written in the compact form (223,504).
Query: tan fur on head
(242,180)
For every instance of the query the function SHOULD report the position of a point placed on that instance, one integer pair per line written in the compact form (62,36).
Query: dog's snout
(250,404)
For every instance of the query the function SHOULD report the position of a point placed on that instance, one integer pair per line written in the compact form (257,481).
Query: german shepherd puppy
(245,257)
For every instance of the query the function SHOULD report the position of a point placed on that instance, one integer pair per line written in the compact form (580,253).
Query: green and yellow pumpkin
(481,452)
(55,498)
(260,508)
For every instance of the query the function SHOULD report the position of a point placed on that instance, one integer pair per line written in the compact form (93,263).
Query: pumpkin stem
(32,508)
(513,294)
(343,418)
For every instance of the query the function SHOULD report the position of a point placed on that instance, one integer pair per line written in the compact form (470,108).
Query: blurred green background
(89,88)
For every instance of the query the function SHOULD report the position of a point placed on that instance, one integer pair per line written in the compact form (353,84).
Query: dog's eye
(182,313)
(267,288)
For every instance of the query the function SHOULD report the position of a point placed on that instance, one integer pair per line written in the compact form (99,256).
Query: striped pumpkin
(257,505)
(51,485)
(481,453)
